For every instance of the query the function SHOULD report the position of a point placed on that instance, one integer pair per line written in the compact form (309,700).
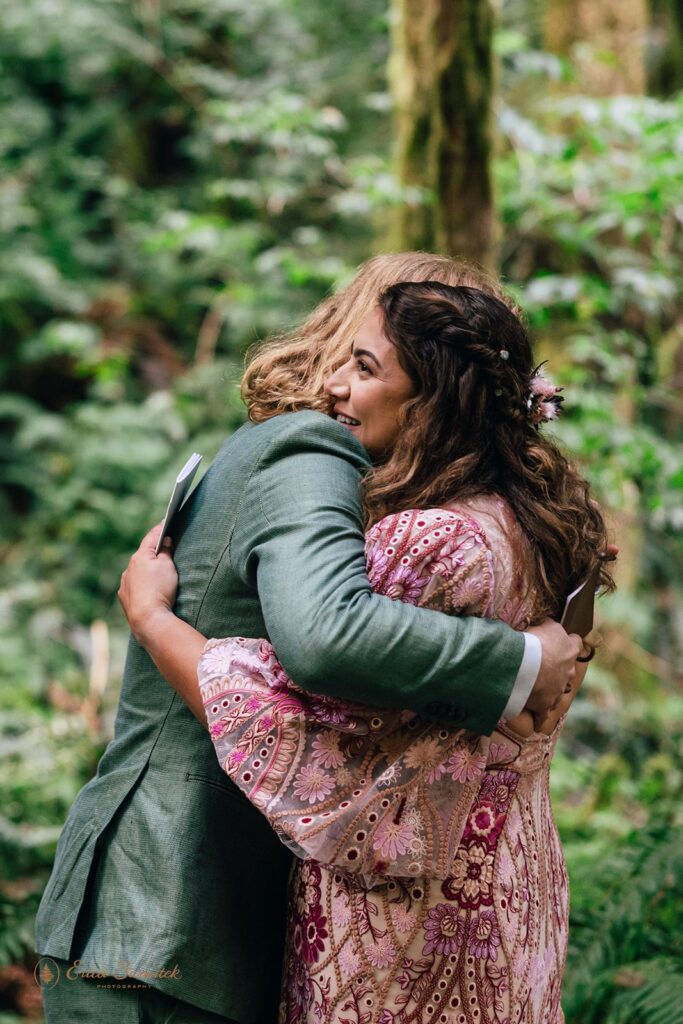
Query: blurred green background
(180,178)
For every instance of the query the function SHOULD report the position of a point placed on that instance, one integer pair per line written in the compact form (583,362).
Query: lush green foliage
(175,187)
(591,238)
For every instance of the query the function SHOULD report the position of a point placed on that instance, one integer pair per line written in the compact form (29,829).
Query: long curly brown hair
(468,431)
(286,373)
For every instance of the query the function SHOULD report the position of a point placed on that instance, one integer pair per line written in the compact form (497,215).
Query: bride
(430,883)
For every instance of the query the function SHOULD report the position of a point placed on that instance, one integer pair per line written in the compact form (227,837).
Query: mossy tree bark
(441,73)
(665,64)
(612,35)
(606,40)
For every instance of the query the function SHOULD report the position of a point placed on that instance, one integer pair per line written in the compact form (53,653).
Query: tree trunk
(665,59)
(612,35)
(605,41)
(441,76)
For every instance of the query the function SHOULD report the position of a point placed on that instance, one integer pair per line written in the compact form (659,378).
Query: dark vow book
(578,610)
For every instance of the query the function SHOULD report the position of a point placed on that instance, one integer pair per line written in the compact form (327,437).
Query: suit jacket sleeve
(298,538)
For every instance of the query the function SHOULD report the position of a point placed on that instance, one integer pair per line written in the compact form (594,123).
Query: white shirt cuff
(526,677)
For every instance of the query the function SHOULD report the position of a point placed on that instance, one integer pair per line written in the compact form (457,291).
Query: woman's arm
(175,647)
(147,593)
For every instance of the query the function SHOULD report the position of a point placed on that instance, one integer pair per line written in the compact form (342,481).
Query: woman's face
(370,388)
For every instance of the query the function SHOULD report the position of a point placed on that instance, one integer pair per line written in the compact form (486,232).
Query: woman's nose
(336,385)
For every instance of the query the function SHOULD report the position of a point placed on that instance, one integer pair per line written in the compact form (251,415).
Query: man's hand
(558,666)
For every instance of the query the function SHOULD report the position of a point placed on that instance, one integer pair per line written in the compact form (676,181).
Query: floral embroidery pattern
(484,937)
(310,929)
(312,783)
(472,876)
(430,883)
(325,750)
(392,839)
(444,930)
(465,765)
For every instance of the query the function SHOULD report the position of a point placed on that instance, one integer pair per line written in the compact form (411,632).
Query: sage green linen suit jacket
(162,861)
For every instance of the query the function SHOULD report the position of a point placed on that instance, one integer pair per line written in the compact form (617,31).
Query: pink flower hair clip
(544,400)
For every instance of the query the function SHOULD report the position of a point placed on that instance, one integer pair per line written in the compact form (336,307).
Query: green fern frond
(624,948)
(648,993)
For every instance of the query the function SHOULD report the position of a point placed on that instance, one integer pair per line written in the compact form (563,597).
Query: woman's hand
(149,584)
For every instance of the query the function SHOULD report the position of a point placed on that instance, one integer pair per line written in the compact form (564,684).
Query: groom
(169,889)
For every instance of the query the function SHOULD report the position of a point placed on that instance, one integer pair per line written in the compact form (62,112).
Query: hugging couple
(326,799)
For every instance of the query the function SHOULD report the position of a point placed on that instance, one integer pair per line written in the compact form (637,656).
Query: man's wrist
(527,675)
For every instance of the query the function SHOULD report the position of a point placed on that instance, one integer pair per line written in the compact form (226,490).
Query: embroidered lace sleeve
(377,793)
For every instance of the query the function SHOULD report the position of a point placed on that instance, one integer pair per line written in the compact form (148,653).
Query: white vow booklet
(181,488)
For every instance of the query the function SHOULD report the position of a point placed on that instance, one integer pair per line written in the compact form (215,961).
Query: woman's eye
(363,366)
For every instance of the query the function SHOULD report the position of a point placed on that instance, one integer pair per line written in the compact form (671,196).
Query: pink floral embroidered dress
(430,884)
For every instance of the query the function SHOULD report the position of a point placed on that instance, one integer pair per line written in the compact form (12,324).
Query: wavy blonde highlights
(286,373)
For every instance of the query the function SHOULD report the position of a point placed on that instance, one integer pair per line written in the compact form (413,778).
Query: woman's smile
(370,388)
(346,420)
